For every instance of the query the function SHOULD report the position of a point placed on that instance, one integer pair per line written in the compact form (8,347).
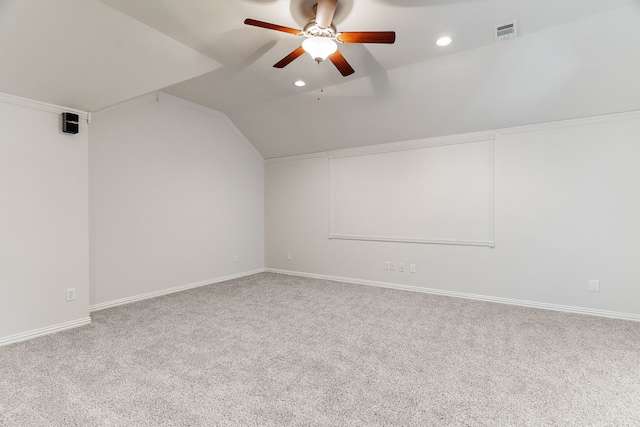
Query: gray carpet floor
(275,350)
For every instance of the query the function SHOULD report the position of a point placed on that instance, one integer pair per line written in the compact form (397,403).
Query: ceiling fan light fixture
(319,47)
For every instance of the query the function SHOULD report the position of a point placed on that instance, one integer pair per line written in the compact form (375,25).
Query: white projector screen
(439,194)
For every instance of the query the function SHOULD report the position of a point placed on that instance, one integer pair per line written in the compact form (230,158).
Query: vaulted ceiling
(573,58)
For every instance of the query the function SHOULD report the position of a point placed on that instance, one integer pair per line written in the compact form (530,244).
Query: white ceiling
(574,58)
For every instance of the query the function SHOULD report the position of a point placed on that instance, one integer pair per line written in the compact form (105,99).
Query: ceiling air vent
(506,31)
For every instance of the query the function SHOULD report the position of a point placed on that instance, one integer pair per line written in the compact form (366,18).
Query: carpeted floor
(278,350)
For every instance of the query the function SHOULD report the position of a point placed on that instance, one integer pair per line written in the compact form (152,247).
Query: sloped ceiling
(574,58)
(85,55)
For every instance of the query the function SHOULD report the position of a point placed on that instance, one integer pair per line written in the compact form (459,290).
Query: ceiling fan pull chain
(319,77)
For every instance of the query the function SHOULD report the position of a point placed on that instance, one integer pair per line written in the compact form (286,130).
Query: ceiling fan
(321,37)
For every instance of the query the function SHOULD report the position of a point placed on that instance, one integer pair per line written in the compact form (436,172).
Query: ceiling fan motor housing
(313,30)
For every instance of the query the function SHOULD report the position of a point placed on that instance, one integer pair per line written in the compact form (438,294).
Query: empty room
(319,212)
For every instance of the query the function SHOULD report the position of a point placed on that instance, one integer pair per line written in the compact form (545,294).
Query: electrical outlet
(413,268)
(401,267)
(386,265)
(288,256)
(71,294)
(594,285)
(236,258)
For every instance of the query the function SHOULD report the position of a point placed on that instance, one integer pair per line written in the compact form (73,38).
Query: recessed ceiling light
(443,41)
(299,83)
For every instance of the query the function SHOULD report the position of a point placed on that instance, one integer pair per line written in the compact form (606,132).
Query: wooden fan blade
(324,13)
(341,64)
(388,37)
(289,58)
(269,26)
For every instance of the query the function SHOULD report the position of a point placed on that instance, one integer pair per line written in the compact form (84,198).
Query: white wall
(43,220)
(566,211)
(176,193)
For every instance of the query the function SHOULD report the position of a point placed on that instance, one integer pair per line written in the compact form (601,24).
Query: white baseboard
(522,303)
(44,331)
(162,292)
